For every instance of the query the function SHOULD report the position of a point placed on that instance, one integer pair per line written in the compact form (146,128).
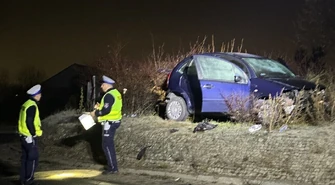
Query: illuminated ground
(50,172)
(89,177)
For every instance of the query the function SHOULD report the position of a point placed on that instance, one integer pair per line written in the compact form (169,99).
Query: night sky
(53,34)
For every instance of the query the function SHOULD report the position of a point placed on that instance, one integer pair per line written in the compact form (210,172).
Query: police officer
(29,127)
(109,114)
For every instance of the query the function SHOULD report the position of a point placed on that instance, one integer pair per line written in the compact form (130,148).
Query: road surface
(49,174)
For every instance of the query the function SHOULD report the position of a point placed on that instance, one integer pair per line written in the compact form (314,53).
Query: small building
(65,89)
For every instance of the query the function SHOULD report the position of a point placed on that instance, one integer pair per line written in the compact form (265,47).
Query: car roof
(233,54)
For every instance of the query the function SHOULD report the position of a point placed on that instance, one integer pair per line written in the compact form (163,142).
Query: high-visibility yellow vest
(116,110)
(23,129)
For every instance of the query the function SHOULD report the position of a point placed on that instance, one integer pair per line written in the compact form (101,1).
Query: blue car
(201,83)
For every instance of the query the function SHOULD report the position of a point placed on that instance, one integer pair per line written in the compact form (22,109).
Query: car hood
(294,83)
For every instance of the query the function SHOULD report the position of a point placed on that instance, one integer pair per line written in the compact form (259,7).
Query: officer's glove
(107,126)
(29,139)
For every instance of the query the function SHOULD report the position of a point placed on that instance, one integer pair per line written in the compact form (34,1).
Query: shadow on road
(94,138)
(7,170)
(8,137)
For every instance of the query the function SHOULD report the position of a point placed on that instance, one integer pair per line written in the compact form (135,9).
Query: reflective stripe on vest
(23,129)
(115,114)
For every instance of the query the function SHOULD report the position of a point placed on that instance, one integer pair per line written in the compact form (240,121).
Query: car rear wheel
(176,109)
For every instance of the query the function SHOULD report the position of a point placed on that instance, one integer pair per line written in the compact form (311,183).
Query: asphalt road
(47,174)
(63,182)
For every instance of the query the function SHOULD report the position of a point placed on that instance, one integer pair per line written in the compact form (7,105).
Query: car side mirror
(238,79)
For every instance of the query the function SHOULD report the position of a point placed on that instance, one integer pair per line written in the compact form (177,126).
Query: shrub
(324,102)
(239,108)
(145,79)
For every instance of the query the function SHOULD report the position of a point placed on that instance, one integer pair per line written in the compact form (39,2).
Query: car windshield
(268,68)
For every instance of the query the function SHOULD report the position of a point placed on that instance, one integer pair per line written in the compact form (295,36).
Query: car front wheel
(176,109)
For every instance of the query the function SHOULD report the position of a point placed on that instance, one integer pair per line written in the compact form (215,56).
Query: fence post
(94,91)
(89,95)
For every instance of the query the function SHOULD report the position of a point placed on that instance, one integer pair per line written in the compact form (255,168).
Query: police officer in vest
(109,114)
(29,128)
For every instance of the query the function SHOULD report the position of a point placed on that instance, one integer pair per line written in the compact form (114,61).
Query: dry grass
(64,116)
(60,125)
(134,134)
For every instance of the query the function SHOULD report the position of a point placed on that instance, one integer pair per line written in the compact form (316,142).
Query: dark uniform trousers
(29,160)
(108,133)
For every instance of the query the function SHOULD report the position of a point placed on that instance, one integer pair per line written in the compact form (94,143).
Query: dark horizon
(55,34)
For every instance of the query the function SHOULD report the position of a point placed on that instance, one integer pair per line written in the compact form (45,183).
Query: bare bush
(324,101)
(271,112)
(307,107)
(317,108)
(145,79)
(131,75)
(162,60)
(289,108)
(239,107)
(280,110)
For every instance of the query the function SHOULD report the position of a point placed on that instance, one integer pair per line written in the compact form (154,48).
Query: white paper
(87,121)
(255,128)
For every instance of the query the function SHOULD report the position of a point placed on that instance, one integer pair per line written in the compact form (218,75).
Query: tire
(176,109)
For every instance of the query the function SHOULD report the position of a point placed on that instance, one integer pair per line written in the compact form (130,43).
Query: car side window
(181,70)
(191,69)
(240,65)
(240,73)
(212,68)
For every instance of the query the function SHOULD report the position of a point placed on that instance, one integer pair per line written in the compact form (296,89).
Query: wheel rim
(175,110)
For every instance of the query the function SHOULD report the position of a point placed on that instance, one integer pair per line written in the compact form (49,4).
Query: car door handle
(207,86)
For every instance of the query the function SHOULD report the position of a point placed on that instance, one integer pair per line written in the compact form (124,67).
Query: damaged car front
(272,79)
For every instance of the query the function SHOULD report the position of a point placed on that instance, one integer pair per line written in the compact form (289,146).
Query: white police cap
(108,80)
(36,89)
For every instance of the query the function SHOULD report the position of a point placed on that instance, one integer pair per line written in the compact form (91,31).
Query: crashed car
(201,83)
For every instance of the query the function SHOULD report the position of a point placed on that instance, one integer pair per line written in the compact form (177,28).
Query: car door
(186,79)
(222,84)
